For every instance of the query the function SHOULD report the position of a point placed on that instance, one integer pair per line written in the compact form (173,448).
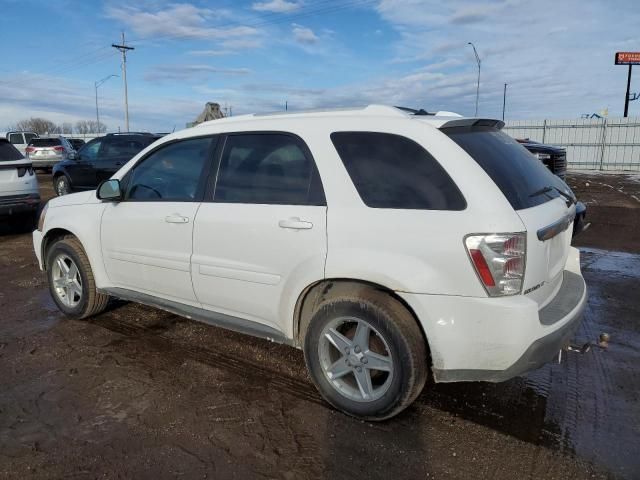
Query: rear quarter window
(517,173)
(392,171)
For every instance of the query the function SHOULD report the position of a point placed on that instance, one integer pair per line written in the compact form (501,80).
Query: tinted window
(269,168)
(29,136)
(124,148)
(45,142)
(517,173)
(15,138)
(8,152)
(89,151)
(171,173)
(391,171)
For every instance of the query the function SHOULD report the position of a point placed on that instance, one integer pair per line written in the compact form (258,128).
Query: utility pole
(478,85)
(123,49)
(96,85)
(626,99)
(504,100)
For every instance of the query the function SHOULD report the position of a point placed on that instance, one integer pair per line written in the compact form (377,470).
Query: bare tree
(66,128)
(41,126)
(90,126)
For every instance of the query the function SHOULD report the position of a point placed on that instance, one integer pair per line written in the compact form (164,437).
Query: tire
(78,297)
(62,185)
(393,335)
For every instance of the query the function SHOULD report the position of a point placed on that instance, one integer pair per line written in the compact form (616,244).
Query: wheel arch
(51,237)
(318,291)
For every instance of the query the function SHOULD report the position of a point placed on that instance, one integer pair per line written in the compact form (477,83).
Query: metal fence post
(604,142)
(544,130)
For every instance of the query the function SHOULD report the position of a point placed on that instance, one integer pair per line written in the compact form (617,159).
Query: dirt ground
(141,393)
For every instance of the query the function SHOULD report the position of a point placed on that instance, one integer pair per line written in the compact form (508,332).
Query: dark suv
(97,160)
(554,158)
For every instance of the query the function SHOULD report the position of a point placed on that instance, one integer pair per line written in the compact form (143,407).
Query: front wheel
(71,281)
(366,354)
(62,186)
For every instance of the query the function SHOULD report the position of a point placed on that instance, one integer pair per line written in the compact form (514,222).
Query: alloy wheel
(356,359)
(67,282)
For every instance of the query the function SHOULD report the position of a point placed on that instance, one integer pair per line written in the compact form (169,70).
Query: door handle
(295,223)
(176,218)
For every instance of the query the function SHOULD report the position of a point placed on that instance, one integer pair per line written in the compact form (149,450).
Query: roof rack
(129,133)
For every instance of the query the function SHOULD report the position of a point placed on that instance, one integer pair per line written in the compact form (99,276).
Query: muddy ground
(141,393)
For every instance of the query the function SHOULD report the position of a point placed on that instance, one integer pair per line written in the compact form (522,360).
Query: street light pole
(504,100)
(96,85)
(478,85)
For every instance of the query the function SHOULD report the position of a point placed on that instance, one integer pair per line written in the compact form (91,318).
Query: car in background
(97,160)
(76,143)
(19,194)
(21,140)
(44,153)
(555,159)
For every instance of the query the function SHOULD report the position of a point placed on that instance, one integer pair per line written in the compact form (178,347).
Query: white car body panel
(12,184)
(242,264)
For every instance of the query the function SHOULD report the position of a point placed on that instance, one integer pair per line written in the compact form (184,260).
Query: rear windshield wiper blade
(550,188)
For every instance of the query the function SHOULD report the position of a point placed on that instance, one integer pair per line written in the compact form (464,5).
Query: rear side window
(391,171)
(15,138)
(45,142)
(267,168)
(8,152)
(29,136)
(125,148)
(519,175)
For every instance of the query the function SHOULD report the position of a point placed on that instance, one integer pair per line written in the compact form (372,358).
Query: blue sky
(556,56)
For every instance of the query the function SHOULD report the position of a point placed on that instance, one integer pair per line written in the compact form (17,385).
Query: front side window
(171,173)
(267,168)
(89,151)
(15,138)
(392,171)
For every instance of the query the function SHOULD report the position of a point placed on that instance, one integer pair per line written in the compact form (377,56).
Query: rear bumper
(18,204)
(50,162)
(495,339)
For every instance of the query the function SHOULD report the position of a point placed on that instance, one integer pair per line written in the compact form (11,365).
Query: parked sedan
(46,152)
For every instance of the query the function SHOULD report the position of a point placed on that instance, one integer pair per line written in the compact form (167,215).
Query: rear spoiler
(473,122)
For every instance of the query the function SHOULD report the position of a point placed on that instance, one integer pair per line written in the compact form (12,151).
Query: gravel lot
(137,392)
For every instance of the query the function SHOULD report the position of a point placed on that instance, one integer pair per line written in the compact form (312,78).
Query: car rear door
(147,237)
(544,203)
(260,237)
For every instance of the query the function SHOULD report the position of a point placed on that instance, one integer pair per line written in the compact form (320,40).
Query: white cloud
(209,53)
(304,35)
(164,73)
(276,6)
(179,21)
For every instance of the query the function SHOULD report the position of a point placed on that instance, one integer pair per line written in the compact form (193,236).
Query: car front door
(147,237)
(261,236)
(80,170)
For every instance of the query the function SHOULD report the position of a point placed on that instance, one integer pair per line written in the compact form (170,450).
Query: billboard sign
(628,58)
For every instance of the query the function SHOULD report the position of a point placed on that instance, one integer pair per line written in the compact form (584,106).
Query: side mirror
(109,191)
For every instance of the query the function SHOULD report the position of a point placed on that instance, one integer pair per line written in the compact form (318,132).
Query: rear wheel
(71,281)
(62,186)
(366,355)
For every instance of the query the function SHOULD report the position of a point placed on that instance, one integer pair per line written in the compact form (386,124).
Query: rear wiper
(549,188)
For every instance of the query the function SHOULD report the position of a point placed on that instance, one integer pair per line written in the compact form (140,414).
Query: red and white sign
(628,58)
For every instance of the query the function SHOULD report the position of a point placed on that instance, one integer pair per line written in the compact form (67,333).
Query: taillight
(22,171)
(59,148)
(499,261)
(29,150)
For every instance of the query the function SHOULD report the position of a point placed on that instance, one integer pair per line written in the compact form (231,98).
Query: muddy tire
(62,185)
(71,281)
(366,354)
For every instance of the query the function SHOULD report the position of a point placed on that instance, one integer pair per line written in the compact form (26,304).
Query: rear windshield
(519,175)
(392,171)
(8,152)
(44,142)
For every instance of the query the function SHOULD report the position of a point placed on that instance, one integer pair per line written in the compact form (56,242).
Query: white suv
(19,194)
(385,245)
